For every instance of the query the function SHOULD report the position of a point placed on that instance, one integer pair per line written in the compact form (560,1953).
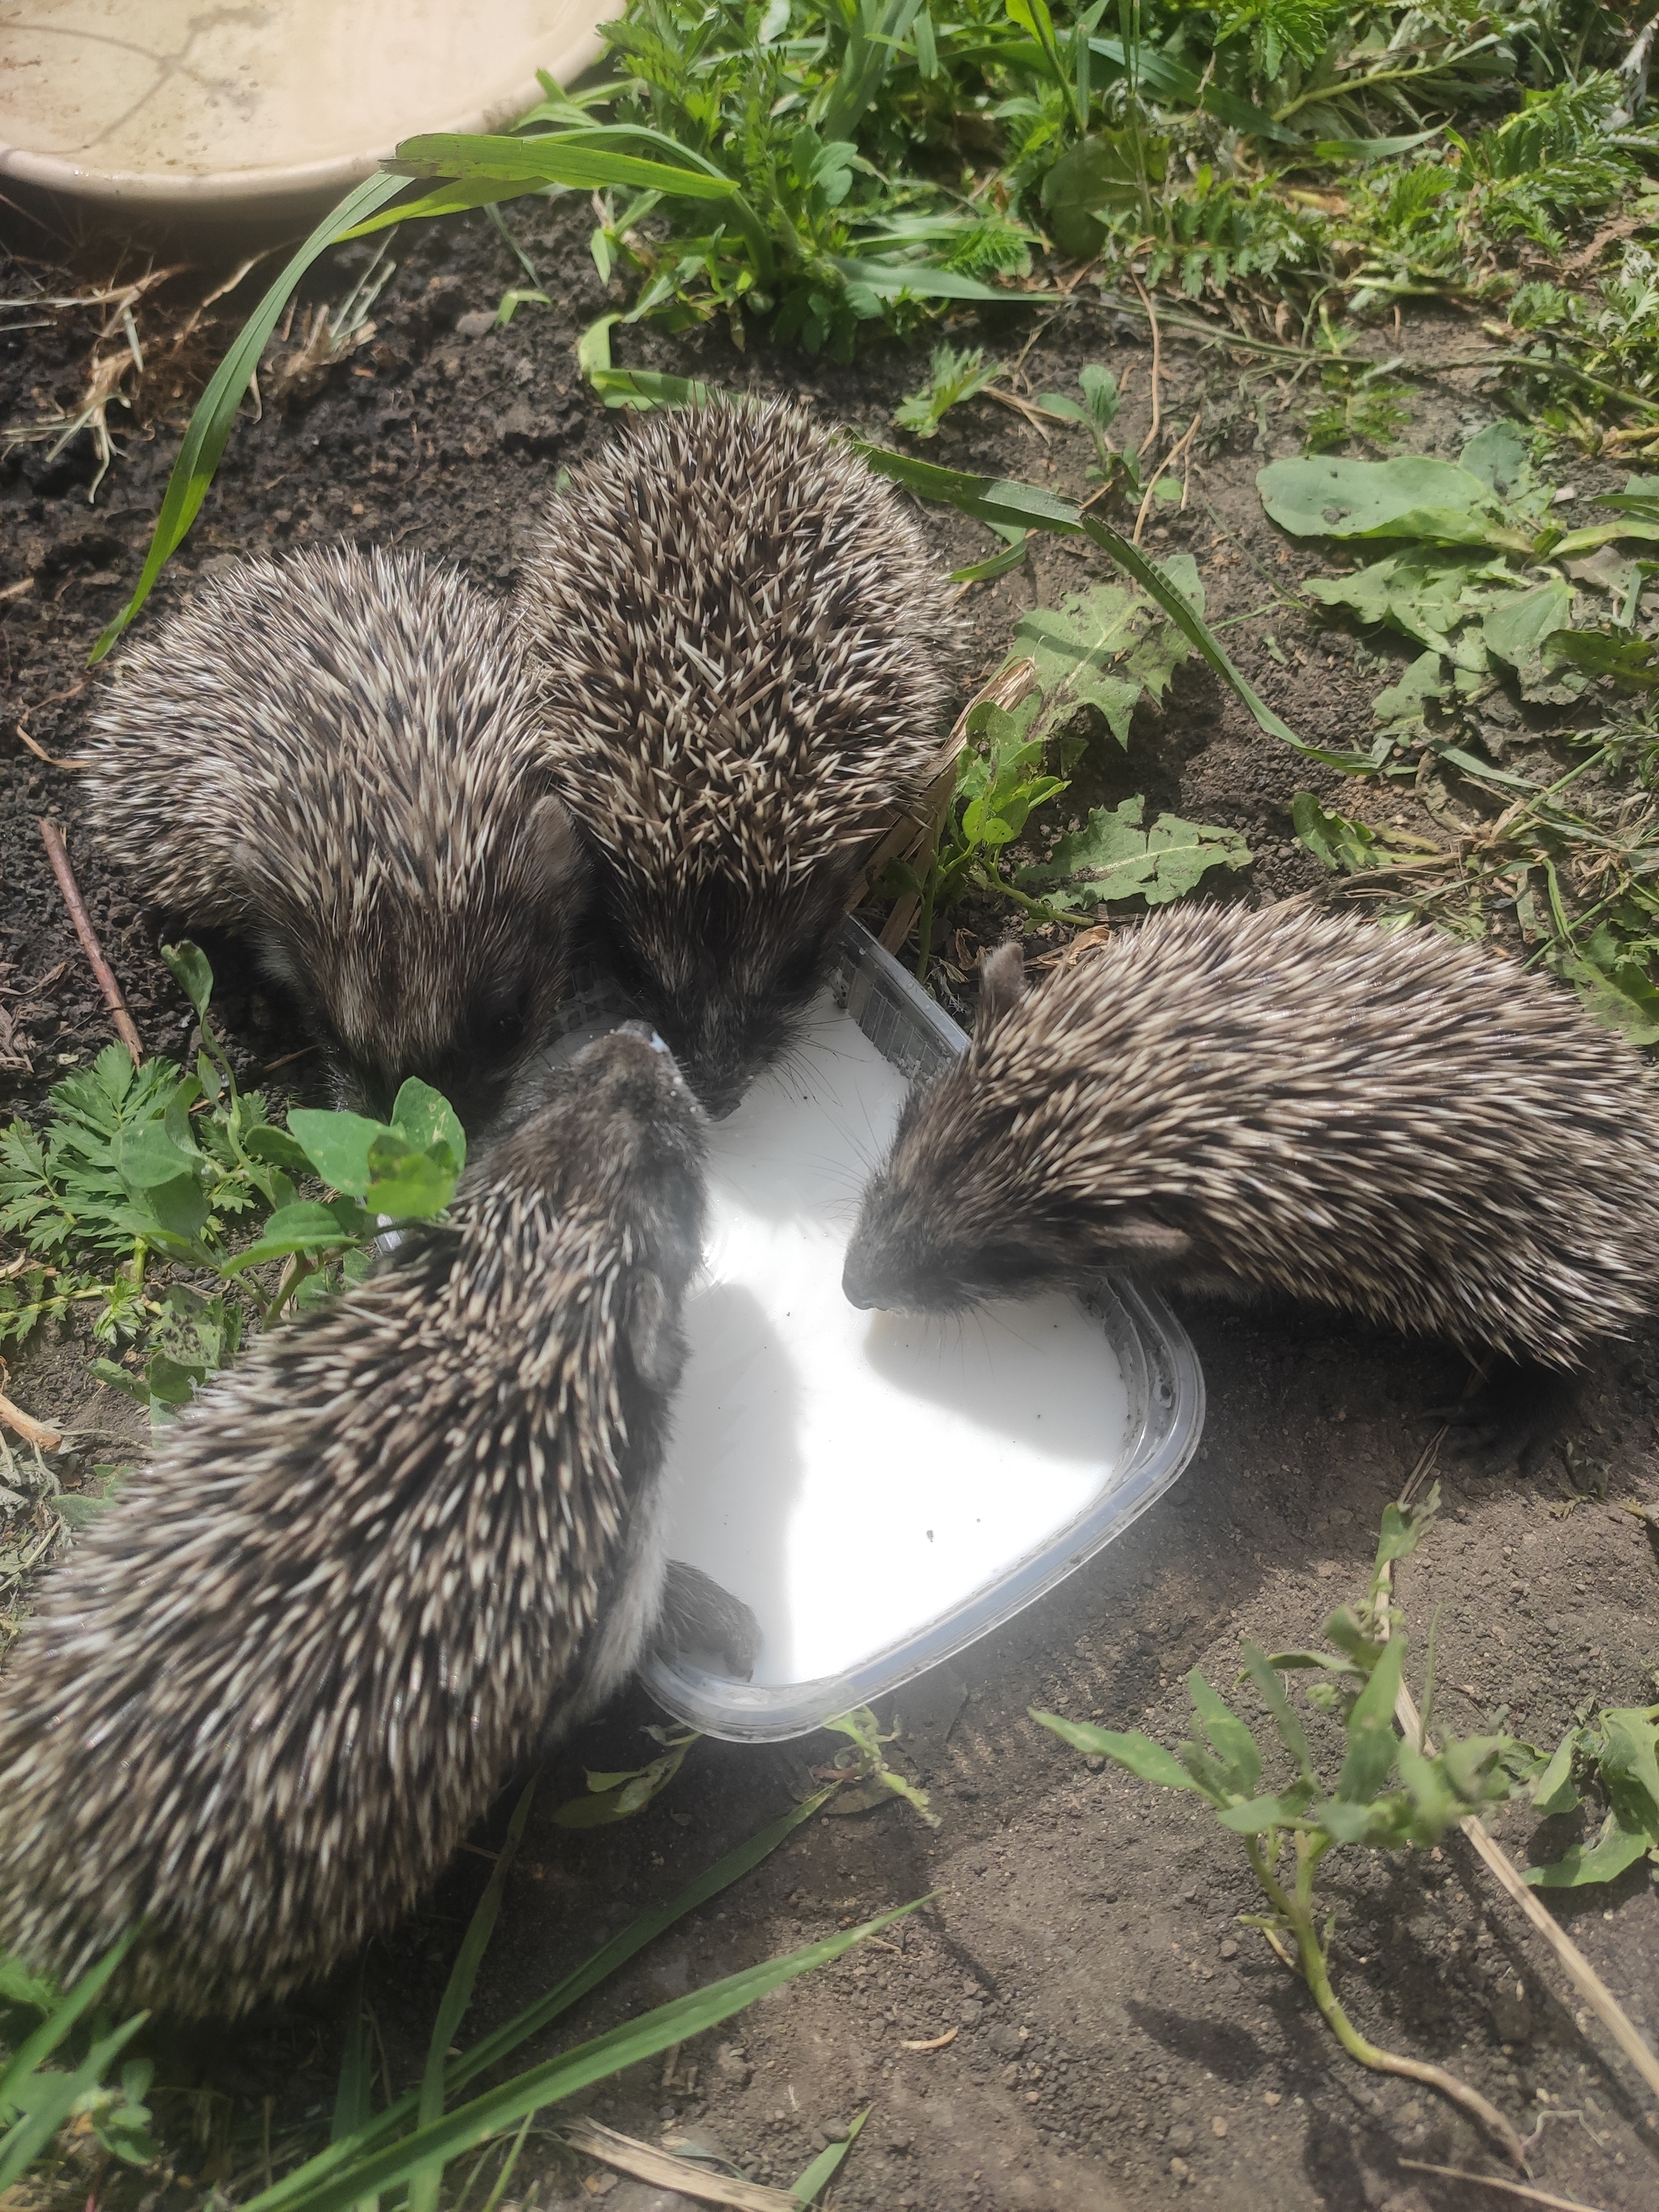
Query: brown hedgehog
(742,663)
(1284,1102)
(337,756)
(394,1554)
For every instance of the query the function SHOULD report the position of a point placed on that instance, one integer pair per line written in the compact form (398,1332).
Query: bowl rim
(332,177)
(1166,1419)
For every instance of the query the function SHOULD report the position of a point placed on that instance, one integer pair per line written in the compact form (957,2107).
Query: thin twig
(1169,461)
(1583,1976)
(1033,416)
(52,760)
(1150,438)
(1498,2181)
(125,1029)
(25,1425)
(663,2171)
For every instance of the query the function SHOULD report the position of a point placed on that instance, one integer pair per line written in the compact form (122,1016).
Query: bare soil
(1117,2037)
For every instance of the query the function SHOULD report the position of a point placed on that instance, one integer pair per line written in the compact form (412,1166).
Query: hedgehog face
(459,994)
(727,974)
(618,1135)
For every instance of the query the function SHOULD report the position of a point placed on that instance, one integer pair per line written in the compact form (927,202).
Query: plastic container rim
(1172,1411)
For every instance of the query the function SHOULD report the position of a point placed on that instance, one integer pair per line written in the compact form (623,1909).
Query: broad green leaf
(308,1226)
(1233,1741)
(209,424)
(1515,629)
(1108,171)
(1147,1760)
(146,1155)
(275,1148)
(1412,497)
(188,966)
(409,1185)
(1497,457)
(1372,1743)
(1113,857)
(1629,1765)
(1260,1813)
(1102,646)
(1613,1850)
(1429,676)
(1621,658)
(426,1117)
(1553,1791)
(179,1207)
(1291,1734)
(338,1146)
(50,2099)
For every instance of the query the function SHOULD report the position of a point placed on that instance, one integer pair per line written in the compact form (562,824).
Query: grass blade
(209,427)
(351,2099)
(458,1995)
(824,2167)
(535,2017)
(595,2061)
(550,159)
(52,2103)
(991,500)
(35,2049)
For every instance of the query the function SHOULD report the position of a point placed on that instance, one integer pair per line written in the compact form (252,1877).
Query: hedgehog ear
(1002,986)
(651,1337)
(1140,1236)
(554,847)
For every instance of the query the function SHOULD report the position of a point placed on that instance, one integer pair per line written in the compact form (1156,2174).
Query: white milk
(854,1475)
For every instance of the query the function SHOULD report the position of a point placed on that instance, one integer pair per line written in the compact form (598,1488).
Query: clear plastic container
(1163,1386)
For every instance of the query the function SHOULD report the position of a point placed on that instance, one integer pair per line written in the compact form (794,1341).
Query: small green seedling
(156,1166)
(1387,1794)
(953,377)
(863,1773)
(1617,1754)
(617,1796)
(39,2022)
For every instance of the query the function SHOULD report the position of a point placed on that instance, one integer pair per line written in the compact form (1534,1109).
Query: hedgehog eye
(797,972)
(498,1028)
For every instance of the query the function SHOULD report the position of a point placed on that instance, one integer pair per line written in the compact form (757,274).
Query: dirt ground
(1119,2039)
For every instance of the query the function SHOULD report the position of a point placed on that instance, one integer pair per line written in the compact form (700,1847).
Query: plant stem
(1297,1914)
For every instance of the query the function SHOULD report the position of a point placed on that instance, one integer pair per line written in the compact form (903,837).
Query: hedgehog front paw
(698,1616)
(1512,1418)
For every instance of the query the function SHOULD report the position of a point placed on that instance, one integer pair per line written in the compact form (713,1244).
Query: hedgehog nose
(852,1294)
(720,1105)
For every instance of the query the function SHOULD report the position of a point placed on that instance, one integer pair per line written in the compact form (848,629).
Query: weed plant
(1390,1791)
(1515,615)
(399,2155)
(161,1197)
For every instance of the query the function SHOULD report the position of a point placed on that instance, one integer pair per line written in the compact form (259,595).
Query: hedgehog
(1283,1104)
(741,652)
(337,755)
(399,1551)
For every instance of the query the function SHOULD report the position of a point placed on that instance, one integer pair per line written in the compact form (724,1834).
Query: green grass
(830,167)
(57,2054)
